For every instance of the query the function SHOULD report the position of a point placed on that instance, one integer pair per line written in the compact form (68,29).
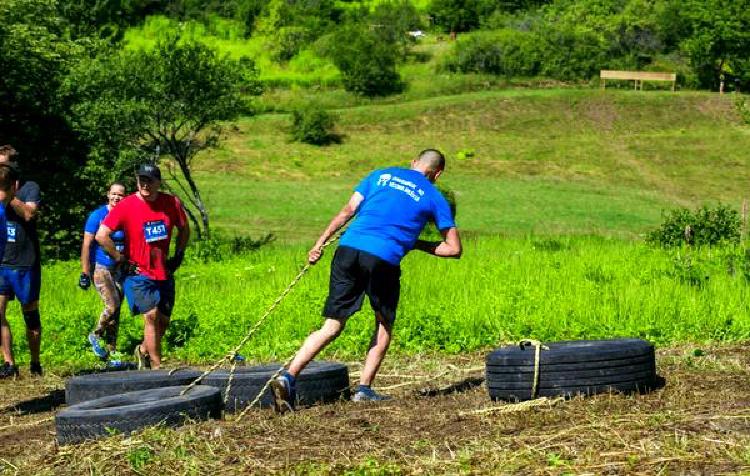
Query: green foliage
(719,39)
(504,52)
(704,226)
(455,15)
(367,65)
(392,19)
(287,42)
(549,295)
(169,98)
(36,51)
(312,124)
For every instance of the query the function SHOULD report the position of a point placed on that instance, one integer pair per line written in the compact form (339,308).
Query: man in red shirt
(147,217)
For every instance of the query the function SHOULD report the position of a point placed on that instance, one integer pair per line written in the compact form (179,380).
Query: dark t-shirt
(22,245)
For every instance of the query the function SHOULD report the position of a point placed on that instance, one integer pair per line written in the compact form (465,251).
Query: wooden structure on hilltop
(637,76)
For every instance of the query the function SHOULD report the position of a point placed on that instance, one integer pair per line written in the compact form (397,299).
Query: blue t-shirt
(98,254)
(398,204)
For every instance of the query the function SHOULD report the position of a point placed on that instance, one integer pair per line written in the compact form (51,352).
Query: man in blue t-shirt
(392,206)
(106,277)
(21,268)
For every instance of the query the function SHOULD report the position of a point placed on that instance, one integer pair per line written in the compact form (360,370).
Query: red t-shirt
(148,230)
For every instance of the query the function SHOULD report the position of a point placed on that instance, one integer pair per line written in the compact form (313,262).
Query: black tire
(320,382)
(92,386)
(132,411)
(572,367)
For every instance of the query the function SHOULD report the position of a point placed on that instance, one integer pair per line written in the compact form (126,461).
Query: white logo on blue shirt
(11,228)
(383,180)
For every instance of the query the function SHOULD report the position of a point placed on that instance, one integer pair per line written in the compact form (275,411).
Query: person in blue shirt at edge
(107,276)
(392,206)
(21,268)
(7,192)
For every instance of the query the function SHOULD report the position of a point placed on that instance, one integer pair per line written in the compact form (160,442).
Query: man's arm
(341,219)
(105,241)
(450,247)
(88,238)
(25,210)
(183,235)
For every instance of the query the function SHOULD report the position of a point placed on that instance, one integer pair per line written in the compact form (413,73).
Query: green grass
(541,161)
(502,289)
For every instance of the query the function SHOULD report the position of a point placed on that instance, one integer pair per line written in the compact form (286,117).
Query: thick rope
(233,354)
(538,346)
(265,388)
(516,407)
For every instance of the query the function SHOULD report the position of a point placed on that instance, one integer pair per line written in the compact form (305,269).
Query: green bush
(288,41)
(367,64)
(704,226)
(311,124)
(503,52)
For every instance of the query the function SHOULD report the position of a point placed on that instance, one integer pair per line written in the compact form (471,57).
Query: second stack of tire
(320,382)
(570,368)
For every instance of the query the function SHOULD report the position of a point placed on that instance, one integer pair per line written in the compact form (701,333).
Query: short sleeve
(92,223)
(441,211)
(29,193)
(116,217)
(364,186)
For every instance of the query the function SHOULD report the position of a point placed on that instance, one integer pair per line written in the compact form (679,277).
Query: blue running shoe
(116,362)
(366,394)
(96,346)
(284,393)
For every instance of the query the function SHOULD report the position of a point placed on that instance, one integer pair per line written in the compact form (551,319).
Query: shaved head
(432,159)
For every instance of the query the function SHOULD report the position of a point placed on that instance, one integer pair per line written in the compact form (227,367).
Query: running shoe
(116,362)
(284,393)
(35,368)
(96,346)
(366,394)
(8,371)
(141,359)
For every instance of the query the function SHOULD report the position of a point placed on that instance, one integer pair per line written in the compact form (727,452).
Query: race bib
(154,231)
(11,227)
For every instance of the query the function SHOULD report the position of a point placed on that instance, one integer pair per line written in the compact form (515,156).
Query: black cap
(149,170)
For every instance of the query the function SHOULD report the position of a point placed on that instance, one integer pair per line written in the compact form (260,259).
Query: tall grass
(502,289)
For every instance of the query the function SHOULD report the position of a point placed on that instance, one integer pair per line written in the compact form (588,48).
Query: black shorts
(355,273)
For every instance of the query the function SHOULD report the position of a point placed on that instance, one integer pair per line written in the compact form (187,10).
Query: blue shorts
(22,283)
(144,294)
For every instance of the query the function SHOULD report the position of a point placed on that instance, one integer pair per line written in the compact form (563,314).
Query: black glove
(175,261)
(84,281)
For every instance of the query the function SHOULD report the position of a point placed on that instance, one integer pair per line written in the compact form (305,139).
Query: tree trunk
(185,168)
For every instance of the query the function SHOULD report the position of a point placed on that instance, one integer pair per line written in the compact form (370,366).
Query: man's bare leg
(34,336)
(379,343)
(5,335)
(151,337)
(314,343)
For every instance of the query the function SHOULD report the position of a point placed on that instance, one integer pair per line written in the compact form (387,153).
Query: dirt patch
(699,422)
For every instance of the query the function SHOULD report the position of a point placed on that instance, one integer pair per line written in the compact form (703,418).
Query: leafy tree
(455,15)
(367,65)
(392,20)
(36,53)
(719,38)
(170,99)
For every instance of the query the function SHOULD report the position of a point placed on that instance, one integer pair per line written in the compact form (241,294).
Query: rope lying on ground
(233,353)
(516,407)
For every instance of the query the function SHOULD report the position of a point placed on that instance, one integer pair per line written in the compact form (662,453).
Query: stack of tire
(569,368)
(130,400)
